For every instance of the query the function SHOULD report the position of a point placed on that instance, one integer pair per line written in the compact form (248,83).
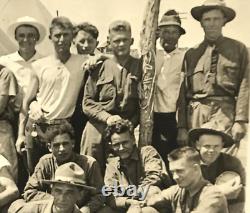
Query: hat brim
(41,29)
(162,24)
(90,188)
(194,135)
(197,12)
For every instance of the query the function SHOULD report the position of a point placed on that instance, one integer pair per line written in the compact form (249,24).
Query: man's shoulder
(46,159)
(85,160)
(6,73)
(149,151)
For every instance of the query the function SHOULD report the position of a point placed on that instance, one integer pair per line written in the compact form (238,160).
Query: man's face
(61,39)
(65,197)
(85,43)
(120,43)
(62,148)
(212,23)
(26,36)
(169,36)
(183,172)
(209,147)
(122,144)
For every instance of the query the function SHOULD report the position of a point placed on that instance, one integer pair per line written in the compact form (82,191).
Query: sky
(102,12)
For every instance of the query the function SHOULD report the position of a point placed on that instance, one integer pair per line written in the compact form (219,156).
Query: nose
(61,147)
(61,38)
(121,147)
(175,176)
(85,44)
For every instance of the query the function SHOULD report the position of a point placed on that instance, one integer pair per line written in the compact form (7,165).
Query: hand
(155,199)
(231,189)
(85,209)
(91,62)
(238,131)
(36,112)
(182,137)
(20,143)
(112,119)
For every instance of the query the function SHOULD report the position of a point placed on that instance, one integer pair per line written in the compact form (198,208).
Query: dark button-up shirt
(203,198)
(113,90)
(45,169)
(145,167)
(231,76)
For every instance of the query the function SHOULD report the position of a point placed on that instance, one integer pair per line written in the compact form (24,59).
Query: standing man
(8,91)
(192,193)
(55,86)
(85,38)
(28,32)
(216,76)
(85,41)
(168,82)
(111,92)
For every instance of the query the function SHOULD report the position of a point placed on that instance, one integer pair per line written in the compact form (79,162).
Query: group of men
(67,120)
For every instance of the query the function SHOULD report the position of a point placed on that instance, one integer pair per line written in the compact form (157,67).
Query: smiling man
(216,76)
(215,164)
(168,83)
(130,166)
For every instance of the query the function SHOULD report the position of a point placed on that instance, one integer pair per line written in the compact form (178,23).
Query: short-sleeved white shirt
(59,85)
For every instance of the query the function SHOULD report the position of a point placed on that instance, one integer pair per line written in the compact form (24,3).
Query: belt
(214,98)
(51,122)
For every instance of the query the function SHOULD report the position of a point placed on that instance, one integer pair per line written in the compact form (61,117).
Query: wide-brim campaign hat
(197,12)
(194,135)
(71,174)
(171,20)
(27,20)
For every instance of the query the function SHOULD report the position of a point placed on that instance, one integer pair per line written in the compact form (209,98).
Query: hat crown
(214,3)
(70,173)
(171,16)
(26,19)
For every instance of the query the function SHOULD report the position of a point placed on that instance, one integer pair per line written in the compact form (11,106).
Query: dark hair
(61,129)
(29,25)
(62,22)
(119,126)
(87,27)
(189,153)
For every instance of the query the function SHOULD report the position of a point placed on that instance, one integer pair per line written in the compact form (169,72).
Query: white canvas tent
(10,10)
(6,45)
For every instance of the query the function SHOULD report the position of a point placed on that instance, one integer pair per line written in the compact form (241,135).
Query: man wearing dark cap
(168,81)
(111,91)
(216,76)
(67,186)
(220,168)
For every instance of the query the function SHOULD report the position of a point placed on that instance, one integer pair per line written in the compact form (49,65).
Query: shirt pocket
(228,74)
(106,88)
(196,80)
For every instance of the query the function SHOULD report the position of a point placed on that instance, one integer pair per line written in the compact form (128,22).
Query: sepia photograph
(114,106)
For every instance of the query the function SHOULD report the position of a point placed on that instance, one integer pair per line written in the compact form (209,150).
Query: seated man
(192,193)
(67,186)
(61,145)
(209,142)
(144,169)
(8,189)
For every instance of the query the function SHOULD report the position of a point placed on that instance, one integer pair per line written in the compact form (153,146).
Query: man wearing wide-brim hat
(68,185)
(217,166)
(216,76)
(168,80)
(27,32)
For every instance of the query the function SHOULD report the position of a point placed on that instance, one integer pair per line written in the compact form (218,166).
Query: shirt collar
(202,182)
(16,57)
(216,43)
(174,52)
